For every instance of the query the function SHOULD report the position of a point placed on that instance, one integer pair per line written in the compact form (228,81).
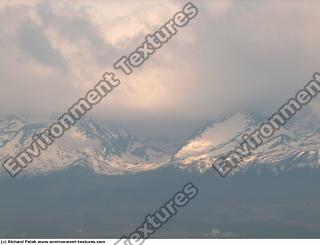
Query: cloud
(75,25)
(34,43)
(232,56)
(219,7)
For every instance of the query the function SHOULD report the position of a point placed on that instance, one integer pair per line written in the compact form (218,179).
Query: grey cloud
(33,41)
(76,26)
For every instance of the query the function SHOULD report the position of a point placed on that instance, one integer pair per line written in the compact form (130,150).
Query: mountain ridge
(111,150)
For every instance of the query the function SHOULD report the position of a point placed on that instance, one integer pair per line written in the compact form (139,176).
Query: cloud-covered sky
(235,55)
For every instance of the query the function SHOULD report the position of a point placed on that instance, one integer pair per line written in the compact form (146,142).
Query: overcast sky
(235,55)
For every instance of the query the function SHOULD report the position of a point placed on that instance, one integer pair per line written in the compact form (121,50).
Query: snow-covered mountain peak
(215,135)
(103,148)
(295,143)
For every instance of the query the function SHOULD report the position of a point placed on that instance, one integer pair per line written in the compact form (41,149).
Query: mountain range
(99,181)
(111,150)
